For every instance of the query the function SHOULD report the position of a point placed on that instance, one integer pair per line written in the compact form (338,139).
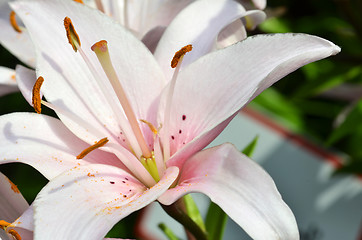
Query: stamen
(36,99)
(79,1)
(72,35)
(15,234)
(101,50)
(98,144)
(13,22)
(4,224)
(176,62)
(179,54)
(150,125)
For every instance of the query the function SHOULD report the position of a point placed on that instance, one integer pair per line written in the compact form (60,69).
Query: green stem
(176,212)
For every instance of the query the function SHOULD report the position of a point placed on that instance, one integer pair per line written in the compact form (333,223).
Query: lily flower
(128,134)
(145,19)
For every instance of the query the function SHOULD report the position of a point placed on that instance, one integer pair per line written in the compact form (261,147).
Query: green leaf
(193,211)
(167,231)
(249,150)
(350,126)
(216,220)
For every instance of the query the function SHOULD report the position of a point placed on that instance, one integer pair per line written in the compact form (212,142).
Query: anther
(98,144)
(179,54)
(13,22)
(79,1)
(72,35)
(36,99)
(15,234)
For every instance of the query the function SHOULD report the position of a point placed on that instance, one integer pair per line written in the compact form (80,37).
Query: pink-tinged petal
(199,24)
(212,89)
(12,203)
(46,144)
(19,44)
(241,188)
(7,81)
(86,202)
(26,78)
(69,83)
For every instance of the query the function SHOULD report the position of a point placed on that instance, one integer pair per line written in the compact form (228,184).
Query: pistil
(101,50)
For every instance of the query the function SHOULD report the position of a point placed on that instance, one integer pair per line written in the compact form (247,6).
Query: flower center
(152,157)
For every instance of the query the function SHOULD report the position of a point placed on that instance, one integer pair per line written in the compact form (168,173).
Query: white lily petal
(89,200)
(236,32)
(261,4)
(212,89)
(7,81)
(69,83)
(241,188)
(19,44)
(12,203)
(46,144)
(26,78)
(199,24)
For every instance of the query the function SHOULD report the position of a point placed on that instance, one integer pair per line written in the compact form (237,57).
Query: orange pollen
(72,35)
(79,1)
(14,187)
(98,144)
(13,22)
(36,100)
(101,45)
(4,224)
(15,234)
(179,54)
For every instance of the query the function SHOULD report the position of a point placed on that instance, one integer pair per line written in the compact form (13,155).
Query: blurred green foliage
(322,99)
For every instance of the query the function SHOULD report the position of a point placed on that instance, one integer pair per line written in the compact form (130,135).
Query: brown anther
(98,144)
(79,1)
(150,125)
(15,234)
(4,224)
(13,22)
(36,99)
(101,45)
(72,35)
(179,54)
